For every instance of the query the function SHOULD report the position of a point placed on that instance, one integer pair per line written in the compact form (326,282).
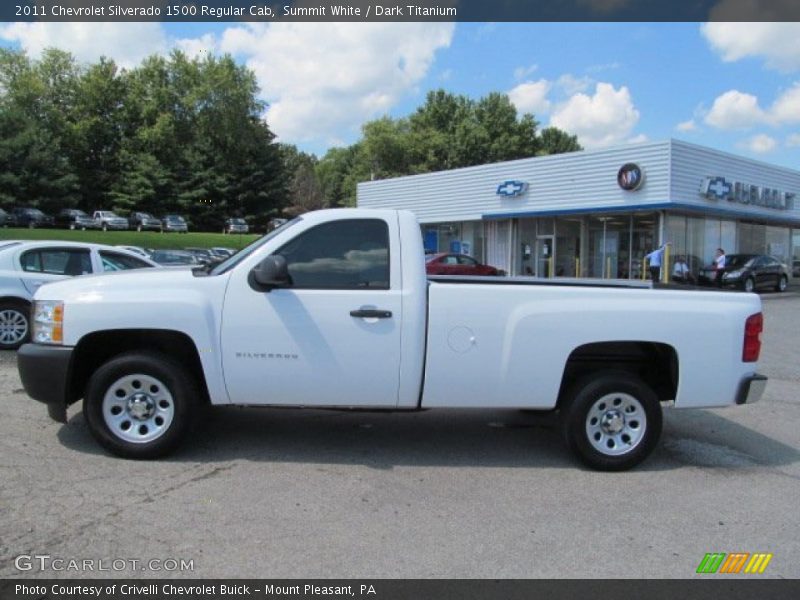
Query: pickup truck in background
(334,309)
(106,220)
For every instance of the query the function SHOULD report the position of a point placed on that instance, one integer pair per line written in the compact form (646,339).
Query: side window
(57,261)
(450,260)
(113,261)
(342,255)
(466,260)
(31,261)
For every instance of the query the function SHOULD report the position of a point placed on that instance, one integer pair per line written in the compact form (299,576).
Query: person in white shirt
(719,266)
(655,258)
(681,271)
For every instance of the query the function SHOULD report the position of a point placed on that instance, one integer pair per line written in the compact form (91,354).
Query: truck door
(332,336)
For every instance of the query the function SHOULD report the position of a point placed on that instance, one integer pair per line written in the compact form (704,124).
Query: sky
(731,86)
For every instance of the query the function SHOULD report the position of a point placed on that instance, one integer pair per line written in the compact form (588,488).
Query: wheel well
(15,300)
(97,348)
(655,364)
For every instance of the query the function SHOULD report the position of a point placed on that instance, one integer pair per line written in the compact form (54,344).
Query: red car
(456,264)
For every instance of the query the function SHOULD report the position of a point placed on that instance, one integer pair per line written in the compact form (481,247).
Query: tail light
(752,337)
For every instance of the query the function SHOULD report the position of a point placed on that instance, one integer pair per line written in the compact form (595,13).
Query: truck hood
(135,280)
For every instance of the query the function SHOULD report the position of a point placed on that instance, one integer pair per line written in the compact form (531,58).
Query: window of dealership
(596,214)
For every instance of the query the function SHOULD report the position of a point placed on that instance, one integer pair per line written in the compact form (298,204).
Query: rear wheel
(611,421)
(782,284)
(139,405)
(14,325)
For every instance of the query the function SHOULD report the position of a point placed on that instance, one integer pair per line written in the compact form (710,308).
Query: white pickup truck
(334,310)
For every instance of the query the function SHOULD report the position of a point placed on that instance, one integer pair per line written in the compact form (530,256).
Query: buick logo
(630,177)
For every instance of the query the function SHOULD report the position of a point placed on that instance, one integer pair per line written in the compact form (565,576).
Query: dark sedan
(750,272)
(456,264)
(31,217)
(74,218)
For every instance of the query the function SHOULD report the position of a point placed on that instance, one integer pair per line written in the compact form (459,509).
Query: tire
(31,225)
(749,285)
(782,284)
(72,226)
(611,421)
(139,405)
(105,227)
(15,327)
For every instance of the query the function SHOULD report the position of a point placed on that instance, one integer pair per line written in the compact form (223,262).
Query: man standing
(719,266)
(655,258)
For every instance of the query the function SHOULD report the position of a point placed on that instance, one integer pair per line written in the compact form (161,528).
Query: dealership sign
(719,188)
(630,177)
(512,188)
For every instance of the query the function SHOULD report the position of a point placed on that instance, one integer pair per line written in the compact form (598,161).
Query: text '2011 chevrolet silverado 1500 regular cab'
(334,310)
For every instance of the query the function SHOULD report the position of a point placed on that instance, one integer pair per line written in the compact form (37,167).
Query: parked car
(6,219)
(204,255)
(174,223)
(107,219)
(142,221)
(173,258)
(749,272)
(31,218)
(456,264)
(74,218)
(25,266)
(235,225)
(138,250)
(222,253)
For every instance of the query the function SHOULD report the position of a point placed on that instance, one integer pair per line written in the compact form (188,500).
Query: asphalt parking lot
(484,494)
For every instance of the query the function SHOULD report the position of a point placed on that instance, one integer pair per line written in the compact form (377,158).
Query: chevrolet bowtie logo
(512,188)
(716,188)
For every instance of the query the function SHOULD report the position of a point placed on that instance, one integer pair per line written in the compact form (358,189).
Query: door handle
(370,313)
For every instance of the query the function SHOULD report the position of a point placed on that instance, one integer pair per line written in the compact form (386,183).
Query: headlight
(48,322)
(732,274)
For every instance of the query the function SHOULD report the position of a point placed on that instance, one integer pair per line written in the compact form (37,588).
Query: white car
(26,265)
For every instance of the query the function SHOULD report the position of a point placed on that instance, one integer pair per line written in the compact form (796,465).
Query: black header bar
(399,10)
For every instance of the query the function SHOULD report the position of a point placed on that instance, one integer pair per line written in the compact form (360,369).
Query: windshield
(738,260)
(234,260)
(174,218)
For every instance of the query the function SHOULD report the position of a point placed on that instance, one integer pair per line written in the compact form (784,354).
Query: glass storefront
(607,246)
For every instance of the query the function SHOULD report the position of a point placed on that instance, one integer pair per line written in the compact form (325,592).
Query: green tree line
(187,135)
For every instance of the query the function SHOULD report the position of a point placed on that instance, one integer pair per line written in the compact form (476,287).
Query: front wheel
(139,405)
(14,325)
(749,284)
(611,421)
(782,284)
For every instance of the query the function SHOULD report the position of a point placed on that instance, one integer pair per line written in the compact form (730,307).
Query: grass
(145,239)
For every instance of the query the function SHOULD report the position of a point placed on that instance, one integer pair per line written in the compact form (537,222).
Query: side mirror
(269,274)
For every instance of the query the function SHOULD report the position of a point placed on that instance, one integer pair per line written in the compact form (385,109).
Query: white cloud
(760,144)
(572,85)
(793,140)
(198,47)
(786,108)
(686,126)
(324,78)
(606,118)
(521,73)
(737,110)
(531,96)
(126,43)
(775,43)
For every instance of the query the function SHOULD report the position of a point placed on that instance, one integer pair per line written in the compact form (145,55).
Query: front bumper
(751,389)
(44,371)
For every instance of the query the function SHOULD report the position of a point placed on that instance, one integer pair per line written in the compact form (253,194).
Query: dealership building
(597,213)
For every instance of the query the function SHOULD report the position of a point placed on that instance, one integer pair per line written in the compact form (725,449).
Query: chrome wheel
(13,327)
(782,284)
(749,284)
(138,408)
(616,424)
